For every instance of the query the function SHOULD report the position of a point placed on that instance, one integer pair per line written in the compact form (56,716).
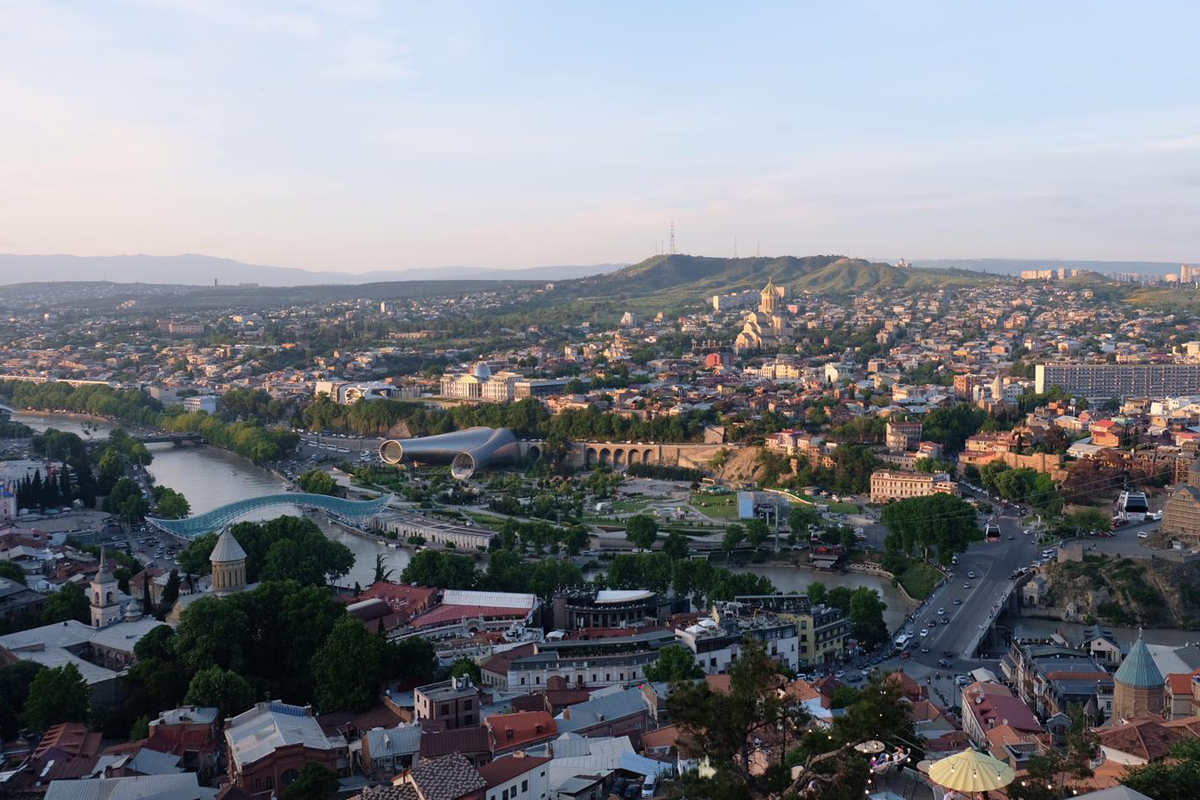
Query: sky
(355,135)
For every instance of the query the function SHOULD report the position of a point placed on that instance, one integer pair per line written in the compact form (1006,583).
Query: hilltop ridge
(701,276)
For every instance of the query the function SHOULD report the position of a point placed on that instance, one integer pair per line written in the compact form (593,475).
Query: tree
(170,594)
(464,666)
(757,531)
(12,570)
(734,534)
(56,695)
(315,782)
(411,661)
(736,730)
(382,572)
(170,504)
(803,517)
(348,668)
(675,663)
(284,548)
(222,689)
(317,481)
(441,570)
(69,602)
(939,522)
(676,545)
(642,531)
(1176,778)
(15,681)
(576,539)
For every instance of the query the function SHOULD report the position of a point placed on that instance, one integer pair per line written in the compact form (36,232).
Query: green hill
(696,277)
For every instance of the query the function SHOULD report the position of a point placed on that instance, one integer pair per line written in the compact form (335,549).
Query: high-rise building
(1102,381)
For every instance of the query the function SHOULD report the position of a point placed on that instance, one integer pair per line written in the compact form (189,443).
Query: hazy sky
(354,135)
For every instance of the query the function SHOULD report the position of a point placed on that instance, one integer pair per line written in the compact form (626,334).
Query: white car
(924,632)
(1143,534)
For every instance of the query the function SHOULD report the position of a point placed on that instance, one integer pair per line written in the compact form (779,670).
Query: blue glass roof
(218,518)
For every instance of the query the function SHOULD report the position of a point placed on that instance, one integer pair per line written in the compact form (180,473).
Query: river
(797,579)
(210,477)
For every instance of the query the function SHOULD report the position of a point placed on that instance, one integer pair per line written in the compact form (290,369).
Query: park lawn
(843,508)
(720,506)
(486,520)
(630,506)
(919,579)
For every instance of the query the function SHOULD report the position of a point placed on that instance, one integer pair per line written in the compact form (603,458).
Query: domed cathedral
(228,561)
(1138,686)
(1181,514)
(768,299)
(766,327)
(106,606)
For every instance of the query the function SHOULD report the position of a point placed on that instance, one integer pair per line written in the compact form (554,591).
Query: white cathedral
(766,327)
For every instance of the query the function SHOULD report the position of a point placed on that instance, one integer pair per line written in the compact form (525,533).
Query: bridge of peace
(465,451)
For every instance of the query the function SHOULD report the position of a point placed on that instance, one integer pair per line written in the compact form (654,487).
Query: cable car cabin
(1131,507)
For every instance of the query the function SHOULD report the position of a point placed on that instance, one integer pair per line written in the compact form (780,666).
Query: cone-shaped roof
(102,574)
(1138,670)
(227,549)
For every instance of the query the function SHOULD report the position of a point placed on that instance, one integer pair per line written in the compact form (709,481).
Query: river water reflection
(210,477)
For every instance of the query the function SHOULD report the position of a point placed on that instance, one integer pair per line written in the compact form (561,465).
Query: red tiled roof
(73,738)
(520,728)
(444,614)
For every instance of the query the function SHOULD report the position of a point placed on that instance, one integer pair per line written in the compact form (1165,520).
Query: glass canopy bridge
(200,524)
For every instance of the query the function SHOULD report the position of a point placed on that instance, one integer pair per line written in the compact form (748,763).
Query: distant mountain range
(199,270)
(674,276)
(1014,266)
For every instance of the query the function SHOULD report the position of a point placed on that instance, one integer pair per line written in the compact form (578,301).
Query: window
(466,705)
(445,712)
(525,786)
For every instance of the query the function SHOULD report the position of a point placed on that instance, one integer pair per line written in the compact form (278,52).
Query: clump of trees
(285,548)
(936,527)
(317,481)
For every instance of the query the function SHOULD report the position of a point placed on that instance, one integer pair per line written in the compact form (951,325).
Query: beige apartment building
(893,485)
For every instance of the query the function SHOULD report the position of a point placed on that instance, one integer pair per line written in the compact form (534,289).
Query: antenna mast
(672,250)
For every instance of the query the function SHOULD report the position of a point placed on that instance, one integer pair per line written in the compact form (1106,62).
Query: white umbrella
(970,771)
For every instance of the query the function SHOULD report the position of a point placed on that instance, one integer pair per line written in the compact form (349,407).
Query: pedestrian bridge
(200,524)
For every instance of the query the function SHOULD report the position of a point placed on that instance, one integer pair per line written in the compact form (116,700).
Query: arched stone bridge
(619,455)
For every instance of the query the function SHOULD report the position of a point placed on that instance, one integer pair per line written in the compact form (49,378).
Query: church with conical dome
(228,561)
(766,327)
(1138,685)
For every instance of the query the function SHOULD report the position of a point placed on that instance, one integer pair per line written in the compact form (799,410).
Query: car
(966,586)
(1011,537)
(948,653)
(941,612)
(945,620)
(840,674)
(962,680)
(971,575)
(925,649)
(633,790)
(1143,534)
(618,787)
(958,601)
(944,663)
(924,632)
(856,677)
